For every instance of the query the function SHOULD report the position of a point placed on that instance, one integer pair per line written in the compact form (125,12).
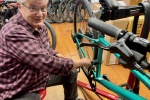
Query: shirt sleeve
(46,41)
(32,52)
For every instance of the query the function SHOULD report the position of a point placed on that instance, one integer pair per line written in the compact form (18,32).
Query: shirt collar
(23,22)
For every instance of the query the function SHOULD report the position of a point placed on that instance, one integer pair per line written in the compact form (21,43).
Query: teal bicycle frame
(126,94)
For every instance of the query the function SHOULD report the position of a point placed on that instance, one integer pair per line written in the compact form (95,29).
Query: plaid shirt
(26,58)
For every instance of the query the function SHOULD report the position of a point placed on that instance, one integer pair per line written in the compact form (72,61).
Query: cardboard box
(148,53)
(121,3)
(95,6)
(110,58)
(132,2)
(139,26)
(148,57)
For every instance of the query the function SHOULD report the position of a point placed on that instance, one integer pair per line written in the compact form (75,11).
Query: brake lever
(126,54)
(95,45)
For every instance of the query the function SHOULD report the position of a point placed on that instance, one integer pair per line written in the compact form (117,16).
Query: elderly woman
(27,62)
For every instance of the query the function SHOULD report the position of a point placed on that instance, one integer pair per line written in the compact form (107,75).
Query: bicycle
(70,11)
(123,48)
(95,42)
(55,11)
(6,11)
(51,33)
(62,9)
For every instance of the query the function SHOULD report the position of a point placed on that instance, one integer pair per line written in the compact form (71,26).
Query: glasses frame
(35,9)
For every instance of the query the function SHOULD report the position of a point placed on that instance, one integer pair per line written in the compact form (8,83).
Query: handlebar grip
(104,27)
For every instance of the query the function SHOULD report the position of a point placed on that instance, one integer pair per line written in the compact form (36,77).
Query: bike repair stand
(132,80)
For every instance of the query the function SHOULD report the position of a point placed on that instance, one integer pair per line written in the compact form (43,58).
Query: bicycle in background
(62,11)
(7,10)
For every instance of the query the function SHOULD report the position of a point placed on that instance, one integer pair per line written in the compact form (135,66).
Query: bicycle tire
(53,12)
(70,12)
(62,9)
(52,34)
(77,29)
(90,52)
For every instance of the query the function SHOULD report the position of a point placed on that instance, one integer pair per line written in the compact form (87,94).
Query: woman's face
(34,12)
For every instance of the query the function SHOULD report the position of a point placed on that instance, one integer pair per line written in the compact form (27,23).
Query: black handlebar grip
(104,27)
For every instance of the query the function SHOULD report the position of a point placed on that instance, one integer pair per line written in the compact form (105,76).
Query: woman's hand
(81,62)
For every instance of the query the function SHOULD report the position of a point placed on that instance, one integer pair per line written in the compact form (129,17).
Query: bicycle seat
(109,4)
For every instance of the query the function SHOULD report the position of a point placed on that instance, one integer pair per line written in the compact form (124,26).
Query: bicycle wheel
(70,10)
(53,11)
(62,9)
(82,27)
(52,34)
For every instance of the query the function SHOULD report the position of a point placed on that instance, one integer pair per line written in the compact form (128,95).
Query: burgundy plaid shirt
(26,58)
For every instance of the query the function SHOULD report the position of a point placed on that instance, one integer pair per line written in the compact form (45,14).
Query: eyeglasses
(35,9)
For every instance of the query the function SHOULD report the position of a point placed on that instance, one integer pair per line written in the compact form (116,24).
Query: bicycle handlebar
(105,28)
(116,32)
(124,45)
(111,11)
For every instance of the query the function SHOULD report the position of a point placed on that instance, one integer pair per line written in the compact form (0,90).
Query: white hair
(22,1)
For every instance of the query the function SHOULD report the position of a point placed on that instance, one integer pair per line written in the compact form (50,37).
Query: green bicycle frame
(126,94)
